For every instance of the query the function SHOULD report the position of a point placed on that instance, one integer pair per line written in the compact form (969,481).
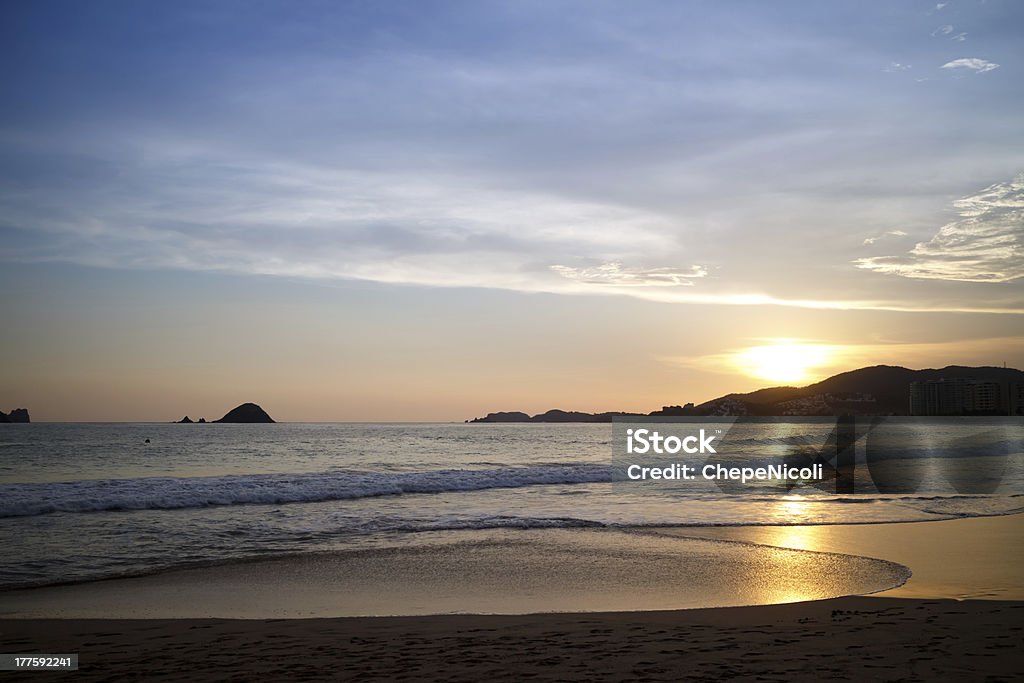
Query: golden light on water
(783,360)
(794,509)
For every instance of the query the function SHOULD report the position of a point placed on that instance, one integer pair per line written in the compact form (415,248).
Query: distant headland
(247,413)
(16,415)
(877,390)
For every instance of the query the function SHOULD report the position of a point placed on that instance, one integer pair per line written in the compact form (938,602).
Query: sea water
(80,502)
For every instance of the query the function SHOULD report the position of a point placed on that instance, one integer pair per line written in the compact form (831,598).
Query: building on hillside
(1016,401)
(959,396)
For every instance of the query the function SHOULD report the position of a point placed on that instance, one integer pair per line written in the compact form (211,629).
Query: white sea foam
(171,493)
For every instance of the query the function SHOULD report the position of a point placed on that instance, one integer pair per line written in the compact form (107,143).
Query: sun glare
(783,361)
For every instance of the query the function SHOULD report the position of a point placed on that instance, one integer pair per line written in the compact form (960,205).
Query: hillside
(876,390)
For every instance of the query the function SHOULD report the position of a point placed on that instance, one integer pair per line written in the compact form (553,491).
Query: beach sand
(858,639)
(846,638)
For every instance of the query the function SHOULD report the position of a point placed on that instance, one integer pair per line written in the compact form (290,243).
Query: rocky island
(16,415)
(247,413)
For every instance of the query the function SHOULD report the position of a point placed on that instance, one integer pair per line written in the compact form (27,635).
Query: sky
(433,210)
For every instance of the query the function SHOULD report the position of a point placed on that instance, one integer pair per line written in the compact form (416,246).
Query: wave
(172,493)
(175,493)
(507,522)
(788,440)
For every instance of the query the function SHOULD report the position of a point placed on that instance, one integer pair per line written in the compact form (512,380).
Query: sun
(783,360)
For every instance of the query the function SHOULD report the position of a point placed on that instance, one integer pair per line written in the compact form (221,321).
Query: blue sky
(818,156)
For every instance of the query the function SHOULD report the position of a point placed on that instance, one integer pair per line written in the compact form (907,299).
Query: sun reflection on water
(797,585)
(792,510)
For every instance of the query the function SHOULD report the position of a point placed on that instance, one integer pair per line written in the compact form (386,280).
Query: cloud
(368,147)
(943,30)
(896,67)
(960,37)
(301,221)
(986,244)
(892,233)
(615,274)
(975,64)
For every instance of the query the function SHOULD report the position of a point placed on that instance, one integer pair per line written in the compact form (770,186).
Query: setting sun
(783,361)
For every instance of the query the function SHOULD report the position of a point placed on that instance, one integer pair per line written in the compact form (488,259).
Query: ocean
(83,502)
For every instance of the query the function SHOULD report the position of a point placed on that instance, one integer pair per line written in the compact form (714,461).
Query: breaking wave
(173,493)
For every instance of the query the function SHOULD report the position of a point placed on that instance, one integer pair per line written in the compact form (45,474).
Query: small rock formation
(247,413)
(16,415)
(185,421)
(202,420)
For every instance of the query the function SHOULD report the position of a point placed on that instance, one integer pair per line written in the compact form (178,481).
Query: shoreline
(514,571)
(508,571)
(858,637)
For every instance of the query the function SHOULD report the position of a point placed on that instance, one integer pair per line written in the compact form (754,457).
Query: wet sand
(977,557)
(847,638)
(491,572)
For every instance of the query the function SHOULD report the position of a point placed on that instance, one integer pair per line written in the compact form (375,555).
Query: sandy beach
(842,639)
(936,635)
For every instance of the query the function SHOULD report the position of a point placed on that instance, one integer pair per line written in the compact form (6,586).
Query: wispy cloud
(304,221)
(975,64)
(876,238)
(947,32)
(620,276)
(986,244)
(896,67)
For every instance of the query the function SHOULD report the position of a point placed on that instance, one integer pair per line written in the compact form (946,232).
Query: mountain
(247,413)
(16,415)
(877,390)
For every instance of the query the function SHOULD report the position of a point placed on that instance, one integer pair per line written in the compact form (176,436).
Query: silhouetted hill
(16,415)
(246,413)
(513,416)
(877,390)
